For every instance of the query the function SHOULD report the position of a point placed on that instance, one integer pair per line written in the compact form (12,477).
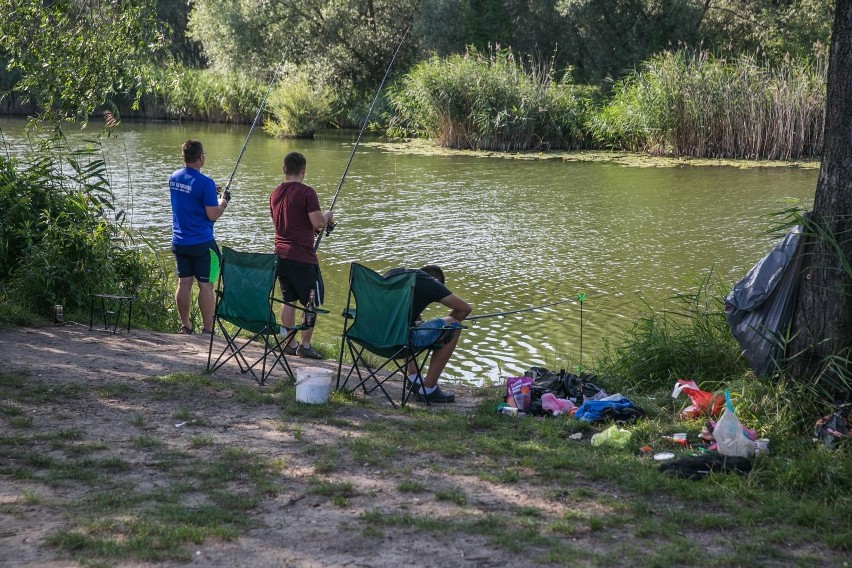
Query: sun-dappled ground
(117,450)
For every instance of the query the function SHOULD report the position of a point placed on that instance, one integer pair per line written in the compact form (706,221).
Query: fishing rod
(330,226)
(227,192)
(501,314)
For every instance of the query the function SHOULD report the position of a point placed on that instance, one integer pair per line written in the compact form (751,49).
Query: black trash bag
(699,467)
(760,306)
(563,384)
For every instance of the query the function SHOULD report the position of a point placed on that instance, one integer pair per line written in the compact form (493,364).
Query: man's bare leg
(183,297)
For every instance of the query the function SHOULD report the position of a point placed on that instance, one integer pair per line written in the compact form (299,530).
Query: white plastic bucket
(313,385)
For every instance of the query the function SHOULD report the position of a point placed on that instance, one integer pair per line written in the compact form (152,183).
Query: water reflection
(509,233)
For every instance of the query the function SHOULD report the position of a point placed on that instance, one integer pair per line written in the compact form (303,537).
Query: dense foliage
(61,239)
(183,93)
(693,104)
(76,56)
(488,102)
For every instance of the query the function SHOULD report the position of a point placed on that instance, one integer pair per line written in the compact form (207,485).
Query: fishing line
(329,227)
(253,124)
(506,313)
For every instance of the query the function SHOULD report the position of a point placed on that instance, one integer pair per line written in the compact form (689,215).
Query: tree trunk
(822,323)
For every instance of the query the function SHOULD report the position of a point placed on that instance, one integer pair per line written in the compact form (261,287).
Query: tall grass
(298,108)
(62,239)
(692,340)
(689,340)
(499,101)
(690,103)
(208,95)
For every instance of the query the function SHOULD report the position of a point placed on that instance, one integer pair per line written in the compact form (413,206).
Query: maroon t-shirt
(290,203)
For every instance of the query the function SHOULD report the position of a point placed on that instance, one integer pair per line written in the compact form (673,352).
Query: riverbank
(117,450)
(420,147)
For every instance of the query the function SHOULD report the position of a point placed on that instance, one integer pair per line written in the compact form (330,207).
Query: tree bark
(822,323)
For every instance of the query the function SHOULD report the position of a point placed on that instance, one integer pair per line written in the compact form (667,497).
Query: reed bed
(688,103)
(495,101)
(203,95)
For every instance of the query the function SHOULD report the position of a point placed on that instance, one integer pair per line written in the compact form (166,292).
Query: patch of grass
(10,409)
(144,442)
(20,421)
(114,391)
(328,461)
(137,420)
(331,488)
(371,450)
(253,396)
(453,494)
(201,441)
(410,486)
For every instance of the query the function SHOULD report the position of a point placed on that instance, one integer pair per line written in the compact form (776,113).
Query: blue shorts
(430,332)
(201,261)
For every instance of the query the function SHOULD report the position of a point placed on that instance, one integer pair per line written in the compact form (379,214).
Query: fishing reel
(330,227)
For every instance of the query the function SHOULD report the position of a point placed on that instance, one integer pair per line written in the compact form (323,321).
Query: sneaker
(206,331)
(185,330)
(307,352)
(438,396)
(289,350)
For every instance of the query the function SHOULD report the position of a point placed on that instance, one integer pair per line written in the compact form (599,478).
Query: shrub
(494,102)
(298,109)
(61,238)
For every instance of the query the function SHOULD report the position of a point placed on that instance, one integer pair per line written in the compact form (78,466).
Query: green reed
(495,101)
(62,238)
(689,103)
(181,93)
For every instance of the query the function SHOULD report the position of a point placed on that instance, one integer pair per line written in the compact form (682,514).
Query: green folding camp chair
(379,323)
(245,299)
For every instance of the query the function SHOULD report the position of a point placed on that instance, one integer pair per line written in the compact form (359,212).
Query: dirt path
(293,528)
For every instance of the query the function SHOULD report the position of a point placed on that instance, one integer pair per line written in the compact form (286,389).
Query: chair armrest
(349,313)
(298,307)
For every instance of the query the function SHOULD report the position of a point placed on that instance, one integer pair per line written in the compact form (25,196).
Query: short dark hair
(434,271)
(192,151)
(294,163)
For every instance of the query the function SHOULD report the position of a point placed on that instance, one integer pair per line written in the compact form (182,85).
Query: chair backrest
(383,308)
(247,281)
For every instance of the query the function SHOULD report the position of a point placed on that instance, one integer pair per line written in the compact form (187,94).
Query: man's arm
(320,220)
(216,211)
(460,308)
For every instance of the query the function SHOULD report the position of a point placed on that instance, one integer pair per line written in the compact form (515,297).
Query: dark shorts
(200,261)
(297,279)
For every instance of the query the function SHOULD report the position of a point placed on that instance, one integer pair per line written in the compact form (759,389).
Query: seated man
(428,288)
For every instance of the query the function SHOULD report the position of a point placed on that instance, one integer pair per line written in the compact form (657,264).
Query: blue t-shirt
(191,192)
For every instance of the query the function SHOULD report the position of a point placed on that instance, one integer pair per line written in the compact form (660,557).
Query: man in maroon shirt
(297,218)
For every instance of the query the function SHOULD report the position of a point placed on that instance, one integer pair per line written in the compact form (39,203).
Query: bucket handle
(306,379)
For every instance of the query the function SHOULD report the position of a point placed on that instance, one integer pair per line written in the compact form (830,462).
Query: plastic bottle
(309,316)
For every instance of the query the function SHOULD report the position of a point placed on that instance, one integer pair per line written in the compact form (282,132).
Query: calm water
(509,233)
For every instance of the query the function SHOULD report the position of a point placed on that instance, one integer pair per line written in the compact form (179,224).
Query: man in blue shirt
(196,205)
